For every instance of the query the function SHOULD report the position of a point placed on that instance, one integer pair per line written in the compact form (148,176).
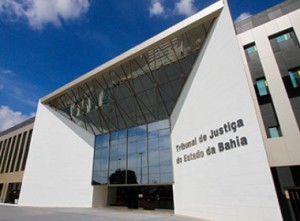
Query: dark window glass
(13,192)
(2,144)
(26,150)
(286,49)
(22,147)
(2,155)
(275,131)
(118,158)
(262,91)
(262,87)
(139,155)
(294,75)
(283,37)
(6,156)
(1,147)
(251,49)
(15,154)
(12,148)
(101,159)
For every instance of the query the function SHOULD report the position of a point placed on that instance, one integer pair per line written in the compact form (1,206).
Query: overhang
(141,85)
(201,17)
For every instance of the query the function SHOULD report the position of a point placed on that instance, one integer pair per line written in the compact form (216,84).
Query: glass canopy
(139,91)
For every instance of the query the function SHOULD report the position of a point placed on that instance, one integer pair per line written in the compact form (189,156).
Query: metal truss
(139,91)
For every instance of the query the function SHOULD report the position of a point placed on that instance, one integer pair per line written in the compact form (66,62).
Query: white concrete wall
(282,151)
(231,185)
(59,166)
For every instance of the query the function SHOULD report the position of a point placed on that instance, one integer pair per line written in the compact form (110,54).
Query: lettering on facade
(188,151)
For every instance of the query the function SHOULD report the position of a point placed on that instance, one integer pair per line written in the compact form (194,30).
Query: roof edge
(188,23)
(18,126)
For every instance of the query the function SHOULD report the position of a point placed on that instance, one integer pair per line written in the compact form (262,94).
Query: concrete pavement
(16,213)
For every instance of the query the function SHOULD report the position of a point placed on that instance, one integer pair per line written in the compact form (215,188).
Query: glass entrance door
(146,197)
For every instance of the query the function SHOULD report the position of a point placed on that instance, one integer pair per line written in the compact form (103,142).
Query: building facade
(202,118)
(270,43)
(14,148)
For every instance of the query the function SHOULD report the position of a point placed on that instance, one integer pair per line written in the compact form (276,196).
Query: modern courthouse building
(203,118)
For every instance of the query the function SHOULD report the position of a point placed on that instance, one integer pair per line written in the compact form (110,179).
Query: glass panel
(283,37)
(295,77)
(251,49)
(117,169)
(274,132)
(138,155)
(262,87)
(102,141)
(101,159)
(137,161)
(160,163)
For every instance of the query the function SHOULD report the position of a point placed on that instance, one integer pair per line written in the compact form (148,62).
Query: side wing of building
(269,43)
(14,148)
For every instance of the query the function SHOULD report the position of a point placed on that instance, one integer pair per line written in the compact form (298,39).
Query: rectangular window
(251,49)
(275,131)
(262,87)
(283,37)
(295,77)
(26,150)
(137,155)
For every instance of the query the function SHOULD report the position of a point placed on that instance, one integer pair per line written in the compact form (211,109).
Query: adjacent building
(269,42)
(202,118)
(14,147)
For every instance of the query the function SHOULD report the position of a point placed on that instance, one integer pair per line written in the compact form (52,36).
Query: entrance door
(146,197)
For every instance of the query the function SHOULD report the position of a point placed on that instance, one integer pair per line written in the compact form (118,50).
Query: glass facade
(137,155)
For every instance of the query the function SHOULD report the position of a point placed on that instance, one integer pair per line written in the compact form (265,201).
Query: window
(274,131)
(137,155)
(262,87)
(283,37)
(295,77)
(251,49)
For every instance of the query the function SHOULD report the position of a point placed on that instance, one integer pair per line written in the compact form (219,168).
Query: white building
(174,123)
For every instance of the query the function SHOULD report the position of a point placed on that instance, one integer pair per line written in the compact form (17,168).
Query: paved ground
(15,213)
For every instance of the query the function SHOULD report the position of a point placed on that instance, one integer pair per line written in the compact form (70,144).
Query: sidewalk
(16,213)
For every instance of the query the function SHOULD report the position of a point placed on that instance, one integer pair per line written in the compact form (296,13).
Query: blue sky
(46,44)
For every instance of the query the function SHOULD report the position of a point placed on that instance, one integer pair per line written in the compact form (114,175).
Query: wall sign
(188,150)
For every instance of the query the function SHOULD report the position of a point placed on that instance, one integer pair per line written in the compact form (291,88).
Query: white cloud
(156,8)
(9,117)
(243,16)
(41,12)
(185,7)
(180,7)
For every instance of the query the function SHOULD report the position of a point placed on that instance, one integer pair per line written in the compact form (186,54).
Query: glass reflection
(137,155)
(117,160)
(101,159)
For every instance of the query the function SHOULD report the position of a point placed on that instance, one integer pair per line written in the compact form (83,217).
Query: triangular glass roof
(141,90)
